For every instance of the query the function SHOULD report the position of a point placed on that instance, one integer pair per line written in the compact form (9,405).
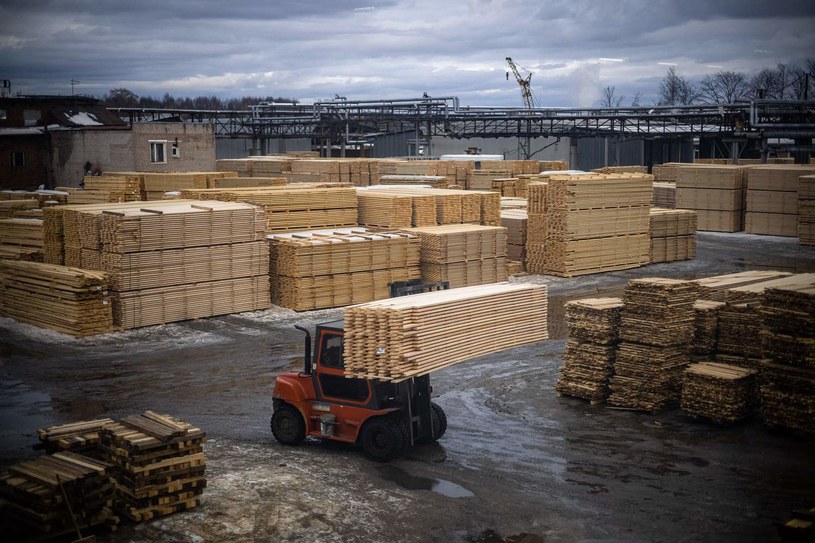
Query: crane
(524,82)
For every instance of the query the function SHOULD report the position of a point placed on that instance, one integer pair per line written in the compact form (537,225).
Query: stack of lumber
(33,506)
(508,202)
(159,464)
(434,181)
(740,328)
(716,192)
(129,184)
(69,300)
(270,166)
(772,199)
(8,194)
(705,327)
(716,288)
(247,182)
(51,197)
(84,196)
(156,184)
(9,208)
(656,330)
(536,227)
(515,221)
(753,293)
(318,170)
(621,169)
(664,195)
(398,338)
(78,437)
(552,165)
(292,207)
(462,254)
(454,206)
(588,362)
(483,179)
(673,234)
(390,210)
(315,270)
(806,209)
(22,237)
(801,527)
(769,160)
(665,172)
(788,379)
(594,223)
(719,392)
(713,161)
(241,166)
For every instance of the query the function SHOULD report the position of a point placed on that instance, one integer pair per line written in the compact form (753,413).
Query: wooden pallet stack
(594,223)
(515,221)
(664,195)
(788,378)
(715,192)
(159,465)
(316,270)
(673,234)
(77,437)
(398,338)
(70,300)
(32,496)
(806,209)
(719,392)
(705,328)
(463,254)
(588,362)
(772,199)
(656,330)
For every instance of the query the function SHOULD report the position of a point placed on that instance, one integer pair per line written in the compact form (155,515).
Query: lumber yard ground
(517,462)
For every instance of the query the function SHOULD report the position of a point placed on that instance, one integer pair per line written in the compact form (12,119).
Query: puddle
(413,482)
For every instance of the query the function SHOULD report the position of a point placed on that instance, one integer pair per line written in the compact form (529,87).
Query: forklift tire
(439,420)
(288,426)
(383,438)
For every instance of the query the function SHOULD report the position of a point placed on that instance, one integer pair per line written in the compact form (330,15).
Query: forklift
(382,417)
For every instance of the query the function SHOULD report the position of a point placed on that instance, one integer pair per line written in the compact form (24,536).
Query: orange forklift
(383,417)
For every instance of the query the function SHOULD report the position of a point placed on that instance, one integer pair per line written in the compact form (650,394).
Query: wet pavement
(517,463)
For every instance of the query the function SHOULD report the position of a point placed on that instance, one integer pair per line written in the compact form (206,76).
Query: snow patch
(83,118)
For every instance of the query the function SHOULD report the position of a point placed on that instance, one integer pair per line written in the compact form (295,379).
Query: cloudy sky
(314,49)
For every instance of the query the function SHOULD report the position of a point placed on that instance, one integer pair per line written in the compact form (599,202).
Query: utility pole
(73,82)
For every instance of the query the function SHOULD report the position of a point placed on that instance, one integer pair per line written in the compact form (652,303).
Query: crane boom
(523,82)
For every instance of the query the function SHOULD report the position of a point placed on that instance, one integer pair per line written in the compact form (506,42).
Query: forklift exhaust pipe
(307,367)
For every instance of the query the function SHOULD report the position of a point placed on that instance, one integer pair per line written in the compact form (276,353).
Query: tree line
(782,82)
(122,97)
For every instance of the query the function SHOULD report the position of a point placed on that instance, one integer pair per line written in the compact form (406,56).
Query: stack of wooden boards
(70,300)
(77,437)
(719,392)
(129,184)
(433,181)
(656,329)
(621,169)
(463,254)
(452,207)
(673,234)
(484,179)
(705,328)
(398,338)
(159,464)
(664,195)
(291,207)
(588,363)
(21,239)
(772,199)
(33,496)
(788,377)
(515,221)
(806,209)
(715,192)
(315,270)
(156,184)
(589,224)
(10,208)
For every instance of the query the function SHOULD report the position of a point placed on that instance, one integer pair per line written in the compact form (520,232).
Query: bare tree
(635,102)
(724,88)
(609,99)
(121,97)
(675,90)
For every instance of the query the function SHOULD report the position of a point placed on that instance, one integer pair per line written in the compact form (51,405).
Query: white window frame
(154,145)
(175,150)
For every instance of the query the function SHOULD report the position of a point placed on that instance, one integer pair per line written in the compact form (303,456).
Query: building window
(175,152)
(32,117)
(158,152)
(3,115)
(17,159)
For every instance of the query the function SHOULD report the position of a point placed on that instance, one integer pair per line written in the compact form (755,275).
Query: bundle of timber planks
(772,199)
(806,209)
(452,206)
(22,239)
(70,300)
(515,221)
(622,169)
(705,327)
(315,270)
(666,172)
(87,196)
(9,208)
(664,195)
(266,166)
(505,186)
(398,338)
(588,362)
(508,202)
(593,223)
(434,181)
(130,184)
(463,254)
(159,464)
(77,437)
(719,392)
(715,192)
(716,288)
(156,184)
(788,378)
(248,182)
(739,332)
(656,330)
(483,179)
(673,234)
(33,495)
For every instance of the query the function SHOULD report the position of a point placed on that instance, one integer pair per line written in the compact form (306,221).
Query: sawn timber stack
(398,338)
